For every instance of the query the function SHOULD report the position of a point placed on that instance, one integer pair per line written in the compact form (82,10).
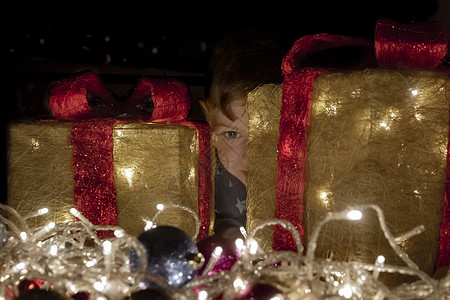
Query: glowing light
(191,174)
(239,244)
(119,133)
(35,144)
(253,247)
(99,286)
(160,206)
(42,211)
(53,250)
(128,173)
(381,259)
(414,92)
(119,233)
(324,197)
(20,266)
(90,264)
(148,225)
(385,126)
(346,291)
(23,235)
(239,284)
(107,248)
(217,251)
(202,295)
(75,212)
(354,215)
(243,231)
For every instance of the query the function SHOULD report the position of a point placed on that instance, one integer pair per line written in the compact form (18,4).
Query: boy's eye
(231,134)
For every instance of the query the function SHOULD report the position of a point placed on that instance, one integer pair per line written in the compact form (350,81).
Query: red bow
(85,96)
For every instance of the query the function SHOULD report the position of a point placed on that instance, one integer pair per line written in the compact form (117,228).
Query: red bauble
(226,260)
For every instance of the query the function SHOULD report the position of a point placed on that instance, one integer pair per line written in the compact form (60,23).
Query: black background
(44,42)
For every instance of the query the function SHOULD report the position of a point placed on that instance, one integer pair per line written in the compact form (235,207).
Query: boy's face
(231,138)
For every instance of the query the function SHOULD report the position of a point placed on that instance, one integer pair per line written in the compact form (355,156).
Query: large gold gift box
(378,137)
(153,163)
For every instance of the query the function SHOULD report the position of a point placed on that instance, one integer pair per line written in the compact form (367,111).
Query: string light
(47,253)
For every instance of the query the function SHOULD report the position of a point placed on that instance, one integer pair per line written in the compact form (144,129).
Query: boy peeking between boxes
(241,62)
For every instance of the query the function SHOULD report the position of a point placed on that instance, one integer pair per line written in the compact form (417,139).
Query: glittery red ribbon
(291,172)
(295,112)
(171,99)
(93,170)
(415,45)
(85,96)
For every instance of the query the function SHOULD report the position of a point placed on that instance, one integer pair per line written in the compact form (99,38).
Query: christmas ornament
(260,291)
(220,254)
(37,294)
(3,236)
(154,294)
(171,253)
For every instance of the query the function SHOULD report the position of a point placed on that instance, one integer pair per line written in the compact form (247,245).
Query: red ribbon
(298,87)
(86,96)
(93,170)
(414,45)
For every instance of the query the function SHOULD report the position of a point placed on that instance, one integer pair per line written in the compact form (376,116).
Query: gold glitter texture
(378,137)
(263,107)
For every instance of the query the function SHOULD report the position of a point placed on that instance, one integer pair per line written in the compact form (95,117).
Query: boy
(240,62)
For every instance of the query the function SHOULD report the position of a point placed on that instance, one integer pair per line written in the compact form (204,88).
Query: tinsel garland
(69,258)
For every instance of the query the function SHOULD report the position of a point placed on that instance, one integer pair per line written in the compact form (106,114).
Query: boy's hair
(240,62)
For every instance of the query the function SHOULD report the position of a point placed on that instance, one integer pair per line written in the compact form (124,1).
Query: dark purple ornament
(37,294)
(225,261)
(170,253)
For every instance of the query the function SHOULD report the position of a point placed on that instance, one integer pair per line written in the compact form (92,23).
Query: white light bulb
(253,247)
(202,295)
(107,248)
(354,215)
(243,231)
(43,211)
(23,235)
(239,244)
(381,259)
(217,252)
(148,225)
(160,206)
(346,291)
(238,283)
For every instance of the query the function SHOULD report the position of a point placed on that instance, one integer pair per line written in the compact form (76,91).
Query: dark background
(44,42)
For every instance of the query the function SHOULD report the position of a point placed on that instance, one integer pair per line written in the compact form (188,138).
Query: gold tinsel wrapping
(153,164)
(263,107)
(379,137)
(40,171)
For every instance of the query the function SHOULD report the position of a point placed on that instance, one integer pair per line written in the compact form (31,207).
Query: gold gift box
(153,163)
(378,137)
(263,106)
